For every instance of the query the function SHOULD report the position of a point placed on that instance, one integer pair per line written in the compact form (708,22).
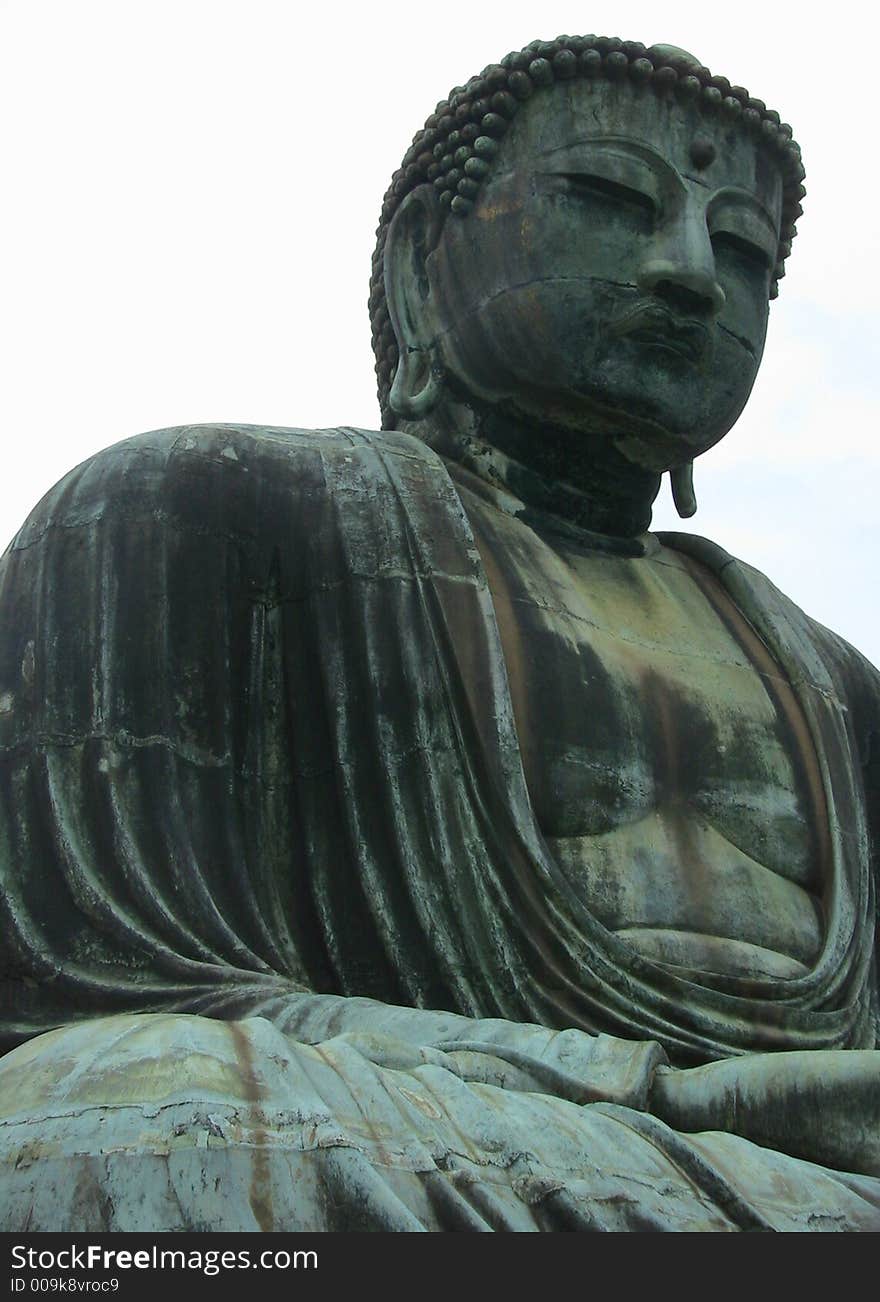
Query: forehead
(578,115)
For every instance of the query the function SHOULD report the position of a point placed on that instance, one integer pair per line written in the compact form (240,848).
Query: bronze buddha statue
(393,832)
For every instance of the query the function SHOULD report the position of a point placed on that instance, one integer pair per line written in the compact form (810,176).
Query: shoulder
(779,619)
(245,448)
(225,474)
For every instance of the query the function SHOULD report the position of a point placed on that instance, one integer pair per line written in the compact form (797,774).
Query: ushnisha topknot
(455,148)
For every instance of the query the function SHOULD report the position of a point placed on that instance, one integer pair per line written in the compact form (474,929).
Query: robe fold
(257,747)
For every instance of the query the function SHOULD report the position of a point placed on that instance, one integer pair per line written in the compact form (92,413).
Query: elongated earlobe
(417,385)
(682,479)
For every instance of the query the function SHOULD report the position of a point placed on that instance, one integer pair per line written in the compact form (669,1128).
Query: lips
(653,324)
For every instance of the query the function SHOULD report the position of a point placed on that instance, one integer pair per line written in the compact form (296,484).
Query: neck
(579,478)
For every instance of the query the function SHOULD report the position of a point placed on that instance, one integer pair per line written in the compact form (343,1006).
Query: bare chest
(619,716)
(666,757)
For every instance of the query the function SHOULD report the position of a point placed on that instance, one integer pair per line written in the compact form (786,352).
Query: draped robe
(259,764)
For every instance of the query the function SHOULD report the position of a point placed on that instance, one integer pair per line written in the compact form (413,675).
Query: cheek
(518,238)
(713,401)
(732,374)
(479,257)
(745,311)
(545,334)
(585,238)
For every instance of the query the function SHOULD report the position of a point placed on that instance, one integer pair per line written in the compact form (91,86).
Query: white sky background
(190,195)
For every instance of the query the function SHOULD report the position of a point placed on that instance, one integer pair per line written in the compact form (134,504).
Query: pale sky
(191,190)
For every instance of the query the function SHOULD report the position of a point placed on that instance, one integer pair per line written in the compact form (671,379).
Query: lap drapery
(187,1123)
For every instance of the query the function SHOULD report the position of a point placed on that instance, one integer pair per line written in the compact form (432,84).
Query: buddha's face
(614,273)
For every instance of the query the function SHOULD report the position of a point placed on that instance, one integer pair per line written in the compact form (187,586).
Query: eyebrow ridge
(744,196)
(636,149)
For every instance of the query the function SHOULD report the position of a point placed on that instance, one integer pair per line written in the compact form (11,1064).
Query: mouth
(656,326)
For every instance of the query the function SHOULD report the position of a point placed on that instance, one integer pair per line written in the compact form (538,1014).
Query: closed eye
(744,249)
(600,186)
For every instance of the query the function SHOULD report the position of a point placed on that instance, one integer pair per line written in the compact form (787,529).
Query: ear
(412,235)
(683,495)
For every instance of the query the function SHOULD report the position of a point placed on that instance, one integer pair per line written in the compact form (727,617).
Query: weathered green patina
(393,833)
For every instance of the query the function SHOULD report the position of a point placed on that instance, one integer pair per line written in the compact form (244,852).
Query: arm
(820,1105)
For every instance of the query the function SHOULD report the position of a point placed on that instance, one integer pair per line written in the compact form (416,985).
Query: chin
(667,428)
(664,425)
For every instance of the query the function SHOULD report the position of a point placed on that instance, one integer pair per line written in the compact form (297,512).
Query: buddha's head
(585,239)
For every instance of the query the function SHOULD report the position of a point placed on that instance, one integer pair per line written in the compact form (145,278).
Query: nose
(689,290)
(680,266)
